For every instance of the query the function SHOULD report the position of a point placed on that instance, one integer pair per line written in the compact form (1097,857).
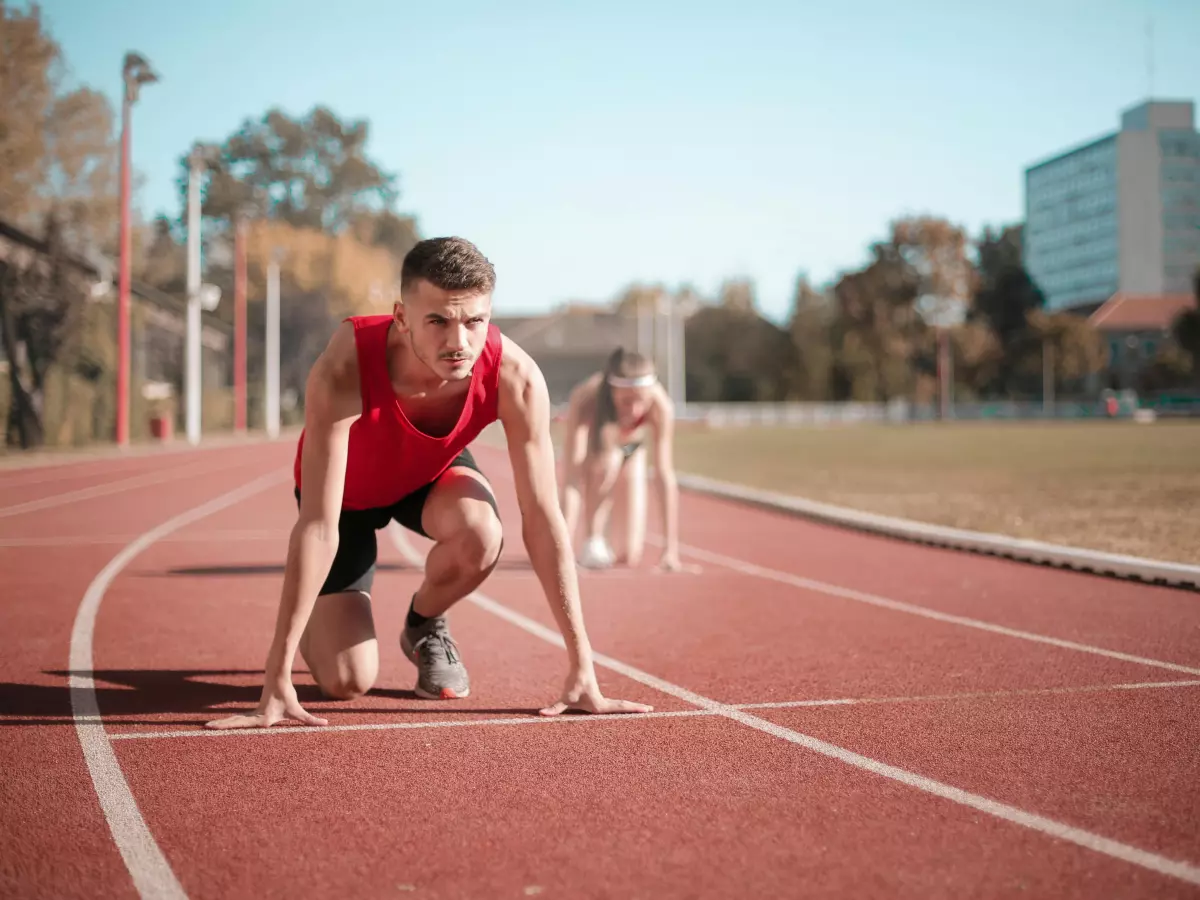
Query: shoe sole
(594,565)
(446,694)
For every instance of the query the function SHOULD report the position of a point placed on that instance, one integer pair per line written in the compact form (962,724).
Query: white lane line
(7,483)
(593,576)
(972,695)
(833,590)
(82,540)
(152,875)
(103,490)
(533,719)
(253,534)
(1097,843)
(65,466)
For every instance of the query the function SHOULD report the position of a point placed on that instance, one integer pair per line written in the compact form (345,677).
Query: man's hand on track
(276,705)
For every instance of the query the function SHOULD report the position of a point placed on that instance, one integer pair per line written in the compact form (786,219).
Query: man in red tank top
(390,407)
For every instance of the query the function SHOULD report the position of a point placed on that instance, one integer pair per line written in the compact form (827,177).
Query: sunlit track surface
(801,736)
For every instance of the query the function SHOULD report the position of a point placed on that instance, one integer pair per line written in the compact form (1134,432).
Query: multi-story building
(1120,214)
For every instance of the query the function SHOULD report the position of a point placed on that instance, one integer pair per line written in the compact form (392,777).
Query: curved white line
(151,873)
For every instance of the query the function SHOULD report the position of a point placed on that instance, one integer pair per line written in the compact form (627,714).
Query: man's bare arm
(330,410)
(525,413)
(332,404)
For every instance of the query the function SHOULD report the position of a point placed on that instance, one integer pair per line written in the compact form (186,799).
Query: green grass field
(1112,486)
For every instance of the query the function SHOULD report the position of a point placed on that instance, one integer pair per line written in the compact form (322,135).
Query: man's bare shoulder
(337,366)
(517,368)
(333,380)
(522,385)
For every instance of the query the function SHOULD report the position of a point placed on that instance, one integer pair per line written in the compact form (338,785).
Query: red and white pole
(135,72)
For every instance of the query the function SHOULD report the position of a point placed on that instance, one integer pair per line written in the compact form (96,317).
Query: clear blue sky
(586,145)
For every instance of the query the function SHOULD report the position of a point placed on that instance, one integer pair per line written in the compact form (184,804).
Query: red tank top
(389,457)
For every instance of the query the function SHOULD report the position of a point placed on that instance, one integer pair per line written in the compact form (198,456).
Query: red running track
(836,715)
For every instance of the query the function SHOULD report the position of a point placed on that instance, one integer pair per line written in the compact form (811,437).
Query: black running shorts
(353,567)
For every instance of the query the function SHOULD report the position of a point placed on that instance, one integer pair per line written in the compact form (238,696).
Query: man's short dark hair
(450,263)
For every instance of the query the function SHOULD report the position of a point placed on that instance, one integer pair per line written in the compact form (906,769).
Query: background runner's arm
(571,424)
(574,445)
(600,469)
(600,477)
(664,476)
(332,403)
(525,413)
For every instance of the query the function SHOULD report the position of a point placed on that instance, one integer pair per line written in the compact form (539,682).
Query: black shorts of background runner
(353,567)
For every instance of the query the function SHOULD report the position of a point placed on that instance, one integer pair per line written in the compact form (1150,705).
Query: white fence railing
(734,415)
(741,415)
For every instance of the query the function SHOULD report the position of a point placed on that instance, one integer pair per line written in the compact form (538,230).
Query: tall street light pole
(136,72)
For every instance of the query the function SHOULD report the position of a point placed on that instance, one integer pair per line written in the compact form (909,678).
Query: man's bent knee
(480,542)
(347,685)
(347,690)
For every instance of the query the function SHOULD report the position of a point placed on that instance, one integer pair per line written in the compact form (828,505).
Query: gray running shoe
(441,674)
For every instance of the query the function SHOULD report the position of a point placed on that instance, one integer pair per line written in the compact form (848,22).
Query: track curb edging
(1094,562)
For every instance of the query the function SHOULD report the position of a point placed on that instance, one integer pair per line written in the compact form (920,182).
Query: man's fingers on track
(235,722)
(307,718)
(626,706)
(607,706)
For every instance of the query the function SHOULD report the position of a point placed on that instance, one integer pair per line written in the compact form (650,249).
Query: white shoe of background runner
(596,554)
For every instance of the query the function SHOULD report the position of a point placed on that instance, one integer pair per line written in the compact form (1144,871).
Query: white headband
(640,381)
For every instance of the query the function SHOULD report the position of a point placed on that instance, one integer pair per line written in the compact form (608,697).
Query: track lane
(595,810)
(187,627)
(1146,620)
(531,745)
(501,769)
(663,618)
(87,507)
(55,837)
(1121,763)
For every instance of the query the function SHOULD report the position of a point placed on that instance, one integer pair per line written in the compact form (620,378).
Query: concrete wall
(1140,213)
(1159,114)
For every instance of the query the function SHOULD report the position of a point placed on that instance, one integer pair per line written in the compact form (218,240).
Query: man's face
(446,329)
